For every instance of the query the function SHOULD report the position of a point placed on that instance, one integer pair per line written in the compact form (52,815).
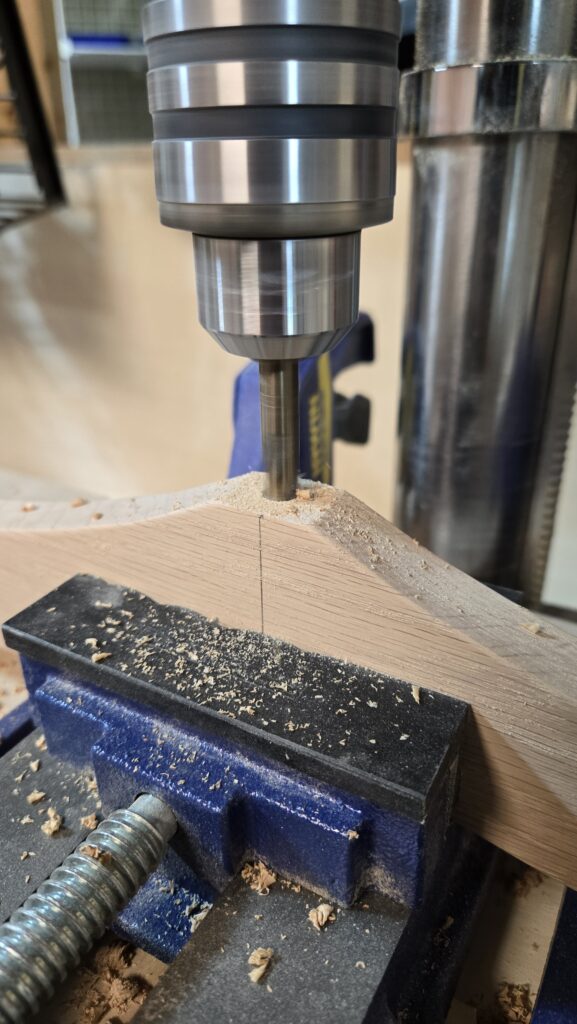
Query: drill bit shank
(279,409)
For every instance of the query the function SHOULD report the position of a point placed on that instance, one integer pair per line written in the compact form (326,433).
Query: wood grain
(327,573)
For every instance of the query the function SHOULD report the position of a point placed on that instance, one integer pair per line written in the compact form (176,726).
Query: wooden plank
(184,549)
(327,573)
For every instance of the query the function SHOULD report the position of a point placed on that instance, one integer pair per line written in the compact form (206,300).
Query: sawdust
(35,796)
(103,856)
(54,822)
(524,883)
(513,1003)
(352,834)
(100,656)
(259,877)
(89,821)
(321,916)
(260,960)
(533,627)
(35,766)
(245,495)
(107,989)
(40,743)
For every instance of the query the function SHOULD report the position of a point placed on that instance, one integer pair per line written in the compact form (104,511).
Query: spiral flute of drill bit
(60,922)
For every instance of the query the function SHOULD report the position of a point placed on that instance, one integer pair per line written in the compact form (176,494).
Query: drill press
(274,144)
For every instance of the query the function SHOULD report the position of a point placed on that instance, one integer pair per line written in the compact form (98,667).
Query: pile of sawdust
(526,881)
(513,1004)
(259,877)
(245,494)
(106,990)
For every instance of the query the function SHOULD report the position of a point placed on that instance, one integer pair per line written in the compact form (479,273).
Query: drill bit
(279,411)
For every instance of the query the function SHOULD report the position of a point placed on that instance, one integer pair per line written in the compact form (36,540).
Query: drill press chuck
(274,144)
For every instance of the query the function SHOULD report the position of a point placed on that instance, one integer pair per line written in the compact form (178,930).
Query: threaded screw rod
(61,921)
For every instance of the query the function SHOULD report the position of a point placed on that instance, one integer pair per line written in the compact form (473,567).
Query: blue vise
(339,778)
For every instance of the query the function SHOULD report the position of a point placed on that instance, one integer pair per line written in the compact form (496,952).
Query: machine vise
(332,784)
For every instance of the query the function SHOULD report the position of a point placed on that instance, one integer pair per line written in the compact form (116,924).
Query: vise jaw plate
(340,724)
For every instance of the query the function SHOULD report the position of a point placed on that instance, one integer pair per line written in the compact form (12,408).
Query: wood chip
(361,965)
(416,694)
(321,916)
(89,821)
(529,879)
(35,796)
(26,820)
(260,960)
(40,743)
(103,856)
(35,766)
(259,877)
(100,656)
(28,506)
(533,627)
(514,1003)
(24,855)
(54,822)
(352,834)
(78,503)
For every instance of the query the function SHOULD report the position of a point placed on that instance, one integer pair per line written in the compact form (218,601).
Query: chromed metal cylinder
(60,922)
(277,299)
(492,228)
(276,119)
(275,144)
(279,405)
(451,33)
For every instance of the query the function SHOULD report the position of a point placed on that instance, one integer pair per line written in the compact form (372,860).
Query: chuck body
(274,144)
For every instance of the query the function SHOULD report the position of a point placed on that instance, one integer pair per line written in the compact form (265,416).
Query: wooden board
(327,573)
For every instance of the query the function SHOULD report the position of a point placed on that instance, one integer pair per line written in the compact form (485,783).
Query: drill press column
(274,144)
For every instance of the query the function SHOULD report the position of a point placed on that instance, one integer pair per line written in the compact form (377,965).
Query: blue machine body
(15,726)
(557,1000)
